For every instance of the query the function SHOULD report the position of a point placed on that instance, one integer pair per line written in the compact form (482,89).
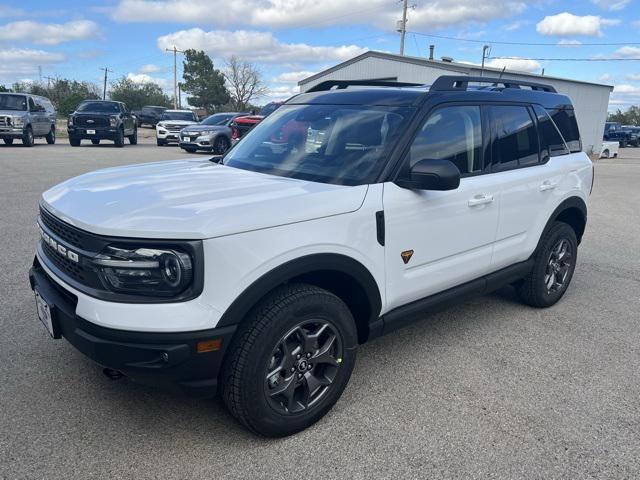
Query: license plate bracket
(46,314)
(91,132)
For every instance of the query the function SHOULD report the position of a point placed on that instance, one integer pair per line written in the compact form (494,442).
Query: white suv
(171,124)
(344,215)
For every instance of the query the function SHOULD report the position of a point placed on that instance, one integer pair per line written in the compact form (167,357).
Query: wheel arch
(572,211)
(343,276)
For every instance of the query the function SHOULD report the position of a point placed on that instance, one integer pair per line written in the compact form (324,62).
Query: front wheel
(555,262)
(221,145)
(291,361)
(133,139)
(119,141)
(51,136)
(74,142)
(8,141)
(159,142)
(27,138)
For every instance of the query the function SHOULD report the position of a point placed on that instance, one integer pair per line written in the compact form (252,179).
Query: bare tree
(244,81)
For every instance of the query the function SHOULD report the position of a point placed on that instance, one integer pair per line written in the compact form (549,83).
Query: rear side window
(454,134)
(551,142)
(565,120)
(515,140)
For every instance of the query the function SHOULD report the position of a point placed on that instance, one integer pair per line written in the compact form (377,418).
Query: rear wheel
(555,262)
(51,136)
(623,144)
(95,141)
(291,361)
(27,138)
(8,141)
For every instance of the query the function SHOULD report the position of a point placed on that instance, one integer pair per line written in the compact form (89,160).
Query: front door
(439,239)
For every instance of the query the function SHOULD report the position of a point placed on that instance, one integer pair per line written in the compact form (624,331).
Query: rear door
(435,240)
(527,178)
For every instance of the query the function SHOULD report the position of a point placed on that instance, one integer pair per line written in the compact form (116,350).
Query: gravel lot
(488,389)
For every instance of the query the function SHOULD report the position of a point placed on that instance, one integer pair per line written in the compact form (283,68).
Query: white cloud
(605,78)
(292,77)
(634,77)
(144,78)
(19,62)
(612,5)
(517,25)
(567,24)
(626,89)
(281,93)
(305,13)
(627,52)
(261,47)
(517,64)
(150,68)
(49,33)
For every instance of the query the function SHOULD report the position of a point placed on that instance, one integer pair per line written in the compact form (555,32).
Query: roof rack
(449,83)
(342,84)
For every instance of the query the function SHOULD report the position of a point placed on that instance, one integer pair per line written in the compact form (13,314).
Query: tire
(51,136)
(605,154)
(95,141)
(220,145)
(287,317)
(623,144)
(74,142)
(27,138)
(133,139)
(159,142)
(119,141)
(8,141)
(538,288)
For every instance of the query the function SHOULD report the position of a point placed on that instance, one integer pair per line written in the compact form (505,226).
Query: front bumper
(170,360)
(11,132)
(199,143)
(100,133)
(167,136)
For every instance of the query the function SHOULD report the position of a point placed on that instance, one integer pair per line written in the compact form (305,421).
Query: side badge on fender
(406,256)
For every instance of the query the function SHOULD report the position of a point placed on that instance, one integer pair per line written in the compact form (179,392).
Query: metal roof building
(590,100)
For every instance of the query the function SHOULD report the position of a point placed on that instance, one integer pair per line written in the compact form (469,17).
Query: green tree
(204,84)
(4,89)
(137,95)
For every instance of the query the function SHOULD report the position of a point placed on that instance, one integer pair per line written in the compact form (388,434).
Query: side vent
(380,227)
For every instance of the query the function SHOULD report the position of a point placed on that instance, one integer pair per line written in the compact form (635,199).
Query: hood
(192,199)
(13,113)
(176,123)
(201,128)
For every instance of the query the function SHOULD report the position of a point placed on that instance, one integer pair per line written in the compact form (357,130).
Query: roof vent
(447,59)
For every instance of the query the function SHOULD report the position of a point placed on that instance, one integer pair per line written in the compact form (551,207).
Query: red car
(242,125)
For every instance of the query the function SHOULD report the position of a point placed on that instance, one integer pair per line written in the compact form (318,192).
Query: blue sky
(291,39)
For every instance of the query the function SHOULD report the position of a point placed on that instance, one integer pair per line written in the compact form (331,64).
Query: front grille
(73,269)
(175,129)
(5,121)
(61,229)
(91,121)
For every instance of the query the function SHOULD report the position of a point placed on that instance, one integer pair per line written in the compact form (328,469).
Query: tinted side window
(32,105)
(451,133)
(565,120)
(515,140)
(551,142)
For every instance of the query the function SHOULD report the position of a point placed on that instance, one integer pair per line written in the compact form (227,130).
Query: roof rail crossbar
(449,83)
(342,84)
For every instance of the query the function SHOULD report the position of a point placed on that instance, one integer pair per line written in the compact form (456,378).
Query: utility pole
(104,89)
(175,74)
(49,81)
(403,26)
(179,95)
(485,53)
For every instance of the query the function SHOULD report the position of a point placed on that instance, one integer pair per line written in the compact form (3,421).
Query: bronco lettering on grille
(58,247)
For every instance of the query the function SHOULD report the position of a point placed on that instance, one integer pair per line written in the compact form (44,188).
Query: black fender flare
(571,202)
(321,262)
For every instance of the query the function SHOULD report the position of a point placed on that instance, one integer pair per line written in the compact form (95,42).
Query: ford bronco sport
(259,276)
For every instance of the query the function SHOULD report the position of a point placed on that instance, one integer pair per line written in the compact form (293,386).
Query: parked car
(171,123)
(26,117)
(242,125)
(149,115)
(609,149)
(98,120)
(258,277)
(613,131)
(212,134)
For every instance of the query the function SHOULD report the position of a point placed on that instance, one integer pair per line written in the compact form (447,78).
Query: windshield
(100,107)
(217,119)
(269,108)
(188,116)
(13,102)
(153,109)
(340,144)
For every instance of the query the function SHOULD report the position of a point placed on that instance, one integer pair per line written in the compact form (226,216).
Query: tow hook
(112,374)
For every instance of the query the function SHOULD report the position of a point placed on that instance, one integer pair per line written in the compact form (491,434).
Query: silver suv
(26,117)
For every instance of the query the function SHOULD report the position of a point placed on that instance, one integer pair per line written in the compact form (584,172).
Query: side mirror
(432,174)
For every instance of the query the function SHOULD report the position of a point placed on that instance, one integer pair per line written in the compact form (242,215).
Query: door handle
(547,185)
(480,200)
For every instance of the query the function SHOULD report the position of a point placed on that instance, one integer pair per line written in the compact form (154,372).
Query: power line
(569,59)
(531,44)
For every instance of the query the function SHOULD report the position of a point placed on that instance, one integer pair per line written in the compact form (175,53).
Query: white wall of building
(590,100)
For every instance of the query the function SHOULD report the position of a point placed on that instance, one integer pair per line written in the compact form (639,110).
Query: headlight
(18,121)
(113,121)
(70,122)
(145,271)
(206,132)
(160,124)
